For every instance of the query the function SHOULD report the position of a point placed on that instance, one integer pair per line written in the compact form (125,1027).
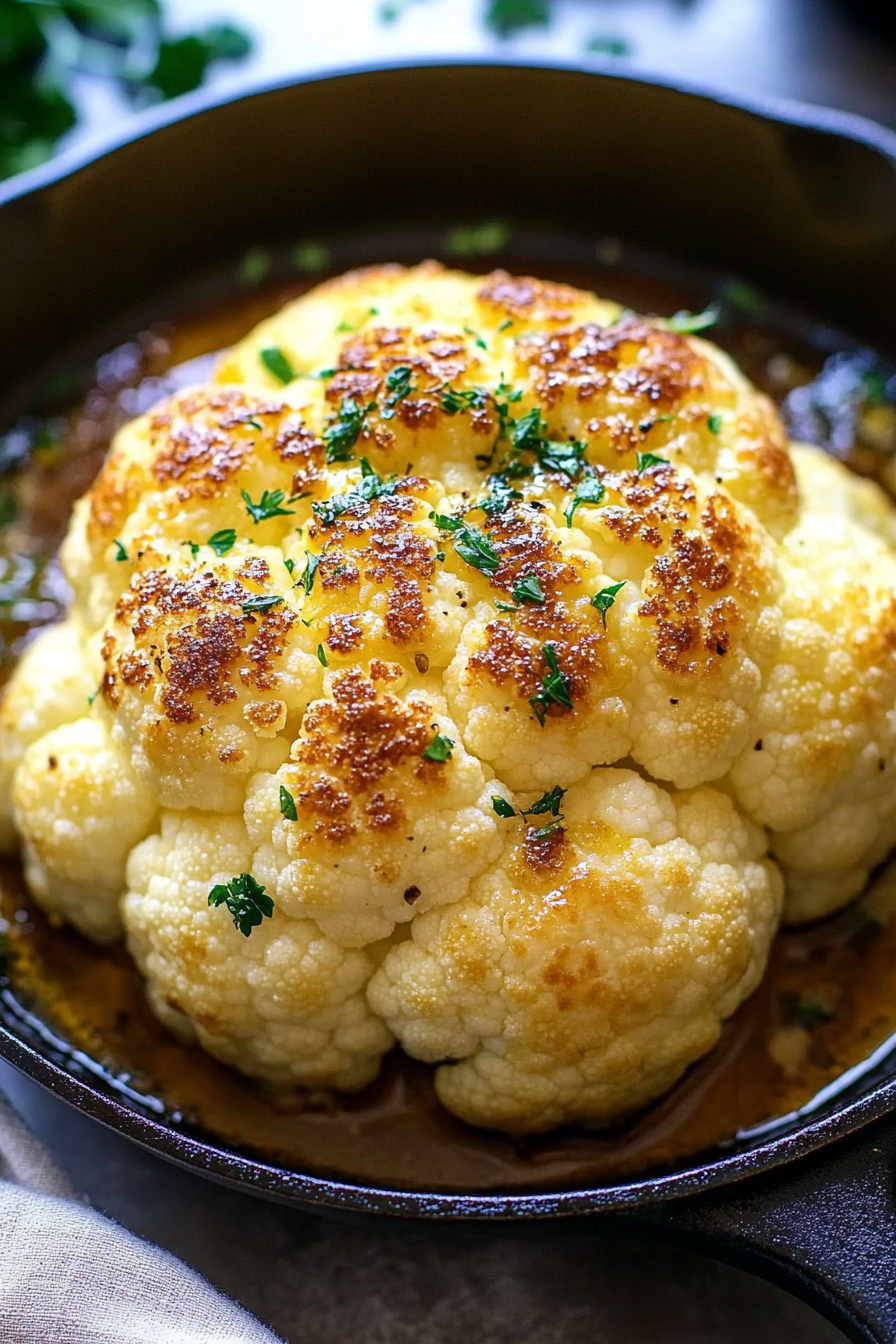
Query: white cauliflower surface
(471,663)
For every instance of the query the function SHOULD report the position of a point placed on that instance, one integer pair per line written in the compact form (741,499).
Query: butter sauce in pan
(827,1002)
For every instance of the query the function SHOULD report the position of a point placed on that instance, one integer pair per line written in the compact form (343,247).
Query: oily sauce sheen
(827,1001)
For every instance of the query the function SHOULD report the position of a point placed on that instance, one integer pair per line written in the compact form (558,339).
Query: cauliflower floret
(81,809)
(371,831)
(819,772)
(669,675)
(429,545)
(52,684)
(592,965)
(208,670)
(286,1004)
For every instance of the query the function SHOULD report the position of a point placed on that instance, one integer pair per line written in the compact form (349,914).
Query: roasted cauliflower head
(470,663)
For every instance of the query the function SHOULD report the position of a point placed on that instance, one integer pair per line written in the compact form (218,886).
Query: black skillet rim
(238,1170)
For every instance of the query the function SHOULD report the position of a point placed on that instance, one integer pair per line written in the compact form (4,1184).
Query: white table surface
(320,1281)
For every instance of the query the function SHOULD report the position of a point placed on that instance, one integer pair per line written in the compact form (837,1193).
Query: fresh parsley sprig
(589,491)
(686,323)
(246,899)
(277,363)
(343,432)
(370,487)
(548,803)
(648,460)
(287,805)
(269,506)
(604,600)
(554,690)
(399,386)
(261,603)
(439,749)
(472,545)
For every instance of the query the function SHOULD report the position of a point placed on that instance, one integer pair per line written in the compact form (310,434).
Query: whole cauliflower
(466,664)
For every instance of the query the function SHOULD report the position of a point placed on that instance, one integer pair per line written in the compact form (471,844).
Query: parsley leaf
(439,749)
(589,491)
(685,323)
(648,460)
(502,495)
(604,600)
(369,488)
(548,802)
(276,362)
(322,656)
(714,424)
(261,603)
(267,507)
(194,548)
(528,589)
(223,541)
(501,806)
(455,402)
(246,900)
(477,339)
(553,688)
(307,579)
(120,552)
(288,805)
(506,17)
(289,566)
(341,435)
(505,606)
(399,385)
(544,831)
(471,545)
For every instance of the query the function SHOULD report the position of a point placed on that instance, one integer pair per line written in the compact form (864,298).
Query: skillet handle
(824,1228)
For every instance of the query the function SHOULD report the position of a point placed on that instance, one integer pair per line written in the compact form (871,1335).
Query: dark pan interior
(805,212)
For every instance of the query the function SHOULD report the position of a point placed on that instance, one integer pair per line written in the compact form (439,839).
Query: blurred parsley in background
(44,45)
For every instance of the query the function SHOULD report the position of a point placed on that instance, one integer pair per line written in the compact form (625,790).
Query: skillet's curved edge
(229,1167)
(238,1170)
(792,112)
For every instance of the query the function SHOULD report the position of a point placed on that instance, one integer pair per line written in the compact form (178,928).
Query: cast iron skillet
(800,201)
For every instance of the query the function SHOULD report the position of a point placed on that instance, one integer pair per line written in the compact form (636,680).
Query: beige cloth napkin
(70,1276)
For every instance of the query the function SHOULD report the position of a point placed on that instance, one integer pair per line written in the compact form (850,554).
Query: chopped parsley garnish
(604,600)
(307,579)
(470,544)
(276,362)
(506,324)
(506,606)
(341,435)
(454,402)
(288,805)
(120,552)
(810,1009)
(544,831)
(223,541)
(93,696)
(714,424)
(685,323)
(322,656)
(399,385)
(260,603)
(648,460)
(194,548)
(554,690)
(529,434)
(507,390)
(589,491)
(477,339)
(369,487)
(440,555)
(256,424)
(548,802)
(269,506)
(439,749)
(289,566)
(501,806)
(246,899)
(528,589)
(501,495)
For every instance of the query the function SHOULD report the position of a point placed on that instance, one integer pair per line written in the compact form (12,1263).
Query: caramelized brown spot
(525,297)
(548,853)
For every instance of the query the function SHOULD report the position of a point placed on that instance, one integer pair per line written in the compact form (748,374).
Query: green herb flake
(269,506)
(548,802)
(455,402)
(440,555)
(544,831)
(589,491)
(322,656)
(194,548)
(811,1009)
(506,325)
(475,549)
(507,17)
(310,257)
(714,424)
(478,240)
(686,323)
(477,339)
(224,540)
(506,606)
(256,424)
(554,690)
(528,589)
(369,488)
(92,697)
(120,552)
(608,46)
(289,566)
(307,579)
(604,600)
(501,806)
(276,362)
(343,432)
(648,460)
(246,899)
(261,603)
(399,386)
(287,805)
(439,749)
